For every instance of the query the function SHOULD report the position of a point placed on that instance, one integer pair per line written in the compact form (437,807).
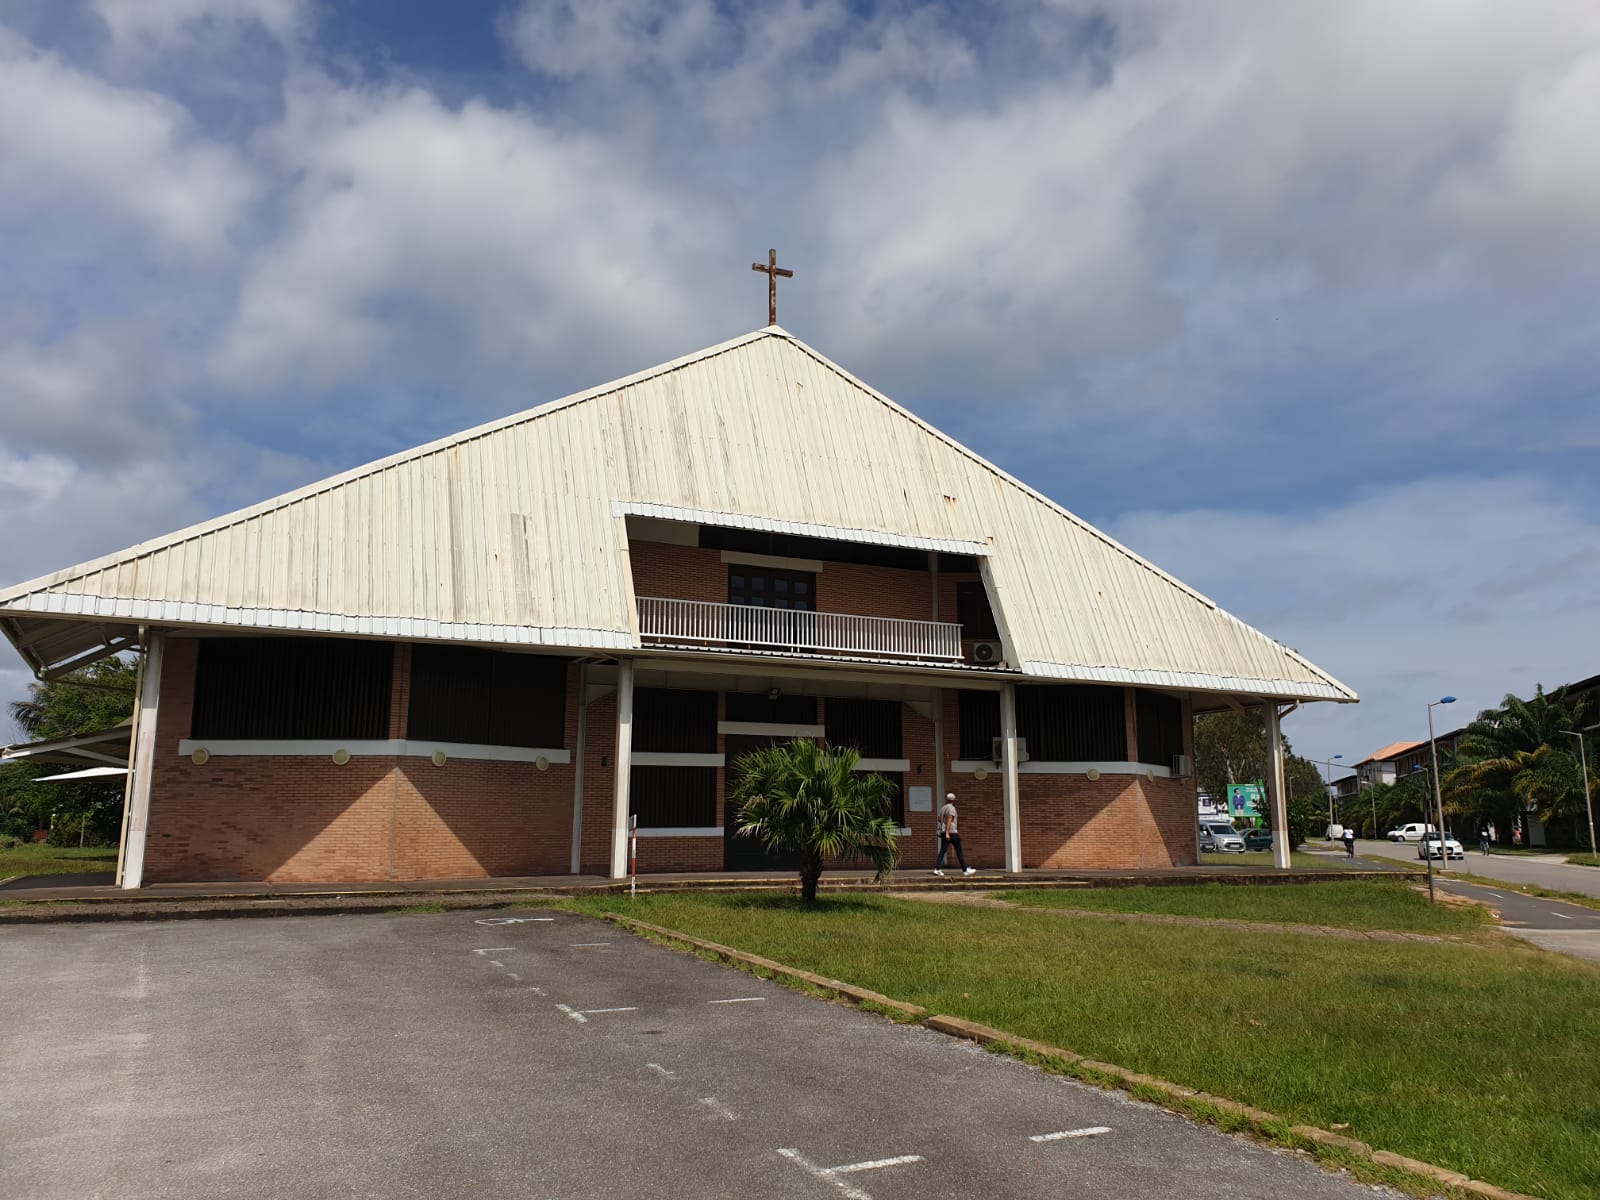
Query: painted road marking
(589,1012)
(574,1014)
(660,1070)
(1497,895)
(739,1000)
(495,962)
(1563,916)
(831,1174)
(510,975)
(588,945)
(718,1107)
(493,949)
(1091,1131)
(511,920)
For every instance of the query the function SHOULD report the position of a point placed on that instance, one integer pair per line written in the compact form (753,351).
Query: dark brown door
(746,853)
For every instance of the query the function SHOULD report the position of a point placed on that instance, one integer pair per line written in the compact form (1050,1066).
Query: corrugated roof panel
(513,527)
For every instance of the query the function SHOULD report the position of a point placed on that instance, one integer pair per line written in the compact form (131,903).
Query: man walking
(950,836)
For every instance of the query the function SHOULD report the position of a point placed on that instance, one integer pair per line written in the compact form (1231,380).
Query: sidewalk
(69,898)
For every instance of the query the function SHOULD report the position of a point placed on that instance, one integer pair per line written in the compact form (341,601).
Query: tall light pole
(1438,795)
(1327,765)
(1583,757)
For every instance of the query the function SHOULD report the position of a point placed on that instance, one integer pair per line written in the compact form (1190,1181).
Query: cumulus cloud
(65,134)
(1460,585)
(165,25)
(478,230)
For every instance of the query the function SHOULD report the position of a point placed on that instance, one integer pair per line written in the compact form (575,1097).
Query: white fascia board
(706,831)
(771,729)
(1190,681)
(669,758)
(966,766)
(183,614)
(368,748)
(837,533)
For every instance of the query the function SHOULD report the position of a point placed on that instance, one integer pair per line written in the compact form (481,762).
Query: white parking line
(574,1014)
(718,1107)
(1563,916)
(588,945)
(510,975)
(589,1012)
(1497,895)
(739,1000)
(660,1070)
(495,962)
(1090,1131)
(511,920)
(831,1174)
(493,949)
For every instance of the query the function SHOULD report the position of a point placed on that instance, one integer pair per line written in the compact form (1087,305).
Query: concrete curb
(1172,1096)
(856,995)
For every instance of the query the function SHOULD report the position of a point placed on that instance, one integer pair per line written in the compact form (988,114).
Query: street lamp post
(1583,758)
(1438,796)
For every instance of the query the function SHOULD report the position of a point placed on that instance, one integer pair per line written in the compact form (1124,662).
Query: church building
(482,656)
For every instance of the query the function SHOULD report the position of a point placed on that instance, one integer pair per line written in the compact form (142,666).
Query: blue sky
(1297,300)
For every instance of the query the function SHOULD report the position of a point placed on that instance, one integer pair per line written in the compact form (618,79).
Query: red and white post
(633,855)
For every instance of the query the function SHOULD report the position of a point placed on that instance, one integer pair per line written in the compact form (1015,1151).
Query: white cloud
(164,25)
(65,134)
(479,233)
(1468,586)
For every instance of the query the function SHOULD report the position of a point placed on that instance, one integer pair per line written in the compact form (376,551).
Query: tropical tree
(802,798)
(1519,756)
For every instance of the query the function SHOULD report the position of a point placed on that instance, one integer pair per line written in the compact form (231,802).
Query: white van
(1410,833)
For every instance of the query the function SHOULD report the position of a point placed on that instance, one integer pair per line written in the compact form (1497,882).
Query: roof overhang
(53,647)
(102,748)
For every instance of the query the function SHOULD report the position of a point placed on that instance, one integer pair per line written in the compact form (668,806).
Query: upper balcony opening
(773,593)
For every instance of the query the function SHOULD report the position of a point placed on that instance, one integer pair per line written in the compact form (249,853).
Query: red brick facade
(307,819)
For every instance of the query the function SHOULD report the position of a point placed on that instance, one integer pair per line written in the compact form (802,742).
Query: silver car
(1221,835)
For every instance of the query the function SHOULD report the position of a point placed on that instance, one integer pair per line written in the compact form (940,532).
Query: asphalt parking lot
(547,1056)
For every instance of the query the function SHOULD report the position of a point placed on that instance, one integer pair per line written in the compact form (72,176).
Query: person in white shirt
(950,837)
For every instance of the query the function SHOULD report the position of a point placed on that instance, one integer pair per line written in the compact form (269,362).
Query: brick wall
(307,819)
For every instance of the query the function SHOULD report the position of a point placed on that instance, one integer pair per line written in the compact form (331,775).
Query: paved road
(1546,870)
(1553,924)
(434,1055)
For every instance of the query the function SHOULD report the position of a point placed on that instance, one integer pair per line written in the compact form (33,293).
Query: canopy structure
(86,773)
(104,751)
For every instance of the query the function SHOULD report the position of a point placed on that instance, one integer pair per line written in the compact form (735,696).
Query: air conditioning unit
(997,750)
(1180,766)
(988,654)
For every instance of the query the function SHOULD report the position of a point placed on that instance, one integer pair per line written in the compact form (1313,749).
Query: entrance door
(747,853)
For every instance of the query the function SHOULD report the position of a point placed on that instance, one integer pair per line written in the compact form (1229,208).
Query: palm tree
(811,801)
(1515,757)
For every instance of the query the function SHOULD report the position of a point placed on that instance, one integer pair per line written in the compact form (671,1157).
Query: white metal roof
(514,532)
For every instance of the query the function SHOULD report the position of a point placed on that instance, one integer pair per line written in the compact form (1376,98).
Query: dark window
(769,587)
(1160,719)
(871,727)
(980,722)
(788,545)
(283,688)
(487,697)
(674,797)
(958,564)
(784,710)
(974,613)
(670,720)
(1073,723)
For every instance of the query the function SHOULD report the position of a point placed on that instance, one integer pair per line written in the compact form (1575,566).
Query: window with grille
(1160,719)
(770,587)
(673,797)
(1073,723)
(487,697)
(292,688)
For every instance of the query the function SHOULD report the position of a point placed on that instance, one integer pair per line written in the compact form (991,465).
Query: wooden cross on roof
(772,270)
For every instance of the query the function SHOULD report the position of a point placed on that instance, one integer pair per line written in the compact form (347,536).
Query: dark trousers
(945,845)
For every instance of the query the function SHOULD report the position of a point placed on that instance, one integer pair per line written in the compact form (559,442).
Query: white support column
(624,765)
(1008,741)
(141,761)
(577,769)
(1275,788)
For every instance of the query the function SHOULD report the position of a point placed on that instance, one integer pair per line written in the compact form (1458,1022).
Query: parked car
(1220,835)
(1410,833)
(1258,839)
(1429,847)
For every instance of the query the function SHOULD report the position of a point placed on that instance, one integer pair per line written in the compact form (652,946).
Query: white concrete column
(624,764)
(141,761)
(1275,788)
(577,768)
(1013,811)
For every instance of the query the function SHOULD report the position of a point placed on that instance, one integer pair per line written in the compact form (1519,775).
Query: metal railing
(741,627)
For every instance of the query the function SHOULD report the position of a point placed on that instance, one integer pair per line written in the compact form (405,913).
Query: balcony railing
(738,627)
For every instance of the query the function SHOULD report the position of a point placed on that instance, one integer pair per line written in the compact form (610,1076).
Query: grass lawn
(1356,904)
(38,859)
(1479,1059)
(1584,860)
